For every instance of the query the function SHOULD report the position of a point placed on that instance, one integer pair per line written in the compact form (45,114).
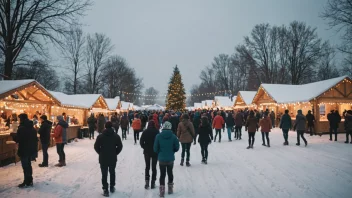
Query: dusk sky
(155,35)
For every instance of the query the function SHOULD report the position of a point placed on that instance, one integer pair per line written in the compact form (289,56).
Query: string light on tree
(176,95)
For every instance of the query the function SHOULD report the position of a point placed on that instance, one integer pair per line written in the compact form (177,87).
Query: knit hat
(23,116)
(151,124)
(60,118)
(167,125)
(108,125)
(299,111)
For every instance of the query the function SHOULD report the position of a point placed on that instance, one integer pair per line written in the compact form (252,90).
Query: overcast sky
(155,35)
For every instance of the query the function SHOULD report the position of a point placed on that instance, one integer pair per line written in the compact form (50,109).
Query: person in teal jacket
(166,145)
(286,125)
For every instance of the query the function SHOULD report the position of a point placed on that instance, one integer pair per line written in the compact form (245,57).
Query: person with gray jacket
(300,126)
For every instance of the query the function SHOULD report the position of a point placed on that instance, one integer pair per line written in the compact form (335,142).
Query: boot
(59,164)
(146,186)
(252,146)
(188,164)
(106,193)
(182,161)
(112,189)
(306,144)
(298,144)
(170,188)
(152,186)
(23,185)
(162,191)
(205,161)
(248,147)
(346,142)
(42,165)
(264,144)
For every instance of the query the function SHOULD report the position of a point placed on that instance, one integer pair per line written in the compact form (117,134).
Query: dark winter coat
(115,122)
(252,124)
(286,122)
(310,119)
(230,121)
(265,124)
(205,134)
(27,139)
(147,141)
(239,119)
(124,122)
(101,123)
(300,123)
(334,120)
(91,122)
(196,121)
(258,116)
(45,131)
(166,145)
(174,120)
(348,122)
(272,116)
(108,145)
(144,120)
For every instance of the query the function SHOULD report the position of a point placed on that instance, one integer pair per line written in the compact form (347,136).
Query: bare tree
(327,68)
(97,53)
(25,23)
(72,50)
(40,71)
(151,95)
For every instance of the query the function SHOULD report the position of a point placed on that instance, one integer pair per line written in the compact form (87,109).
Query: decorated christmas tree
(176,98)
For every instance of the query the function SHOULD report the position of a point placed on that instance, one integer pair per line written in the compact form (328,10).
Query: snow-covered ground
(323,169)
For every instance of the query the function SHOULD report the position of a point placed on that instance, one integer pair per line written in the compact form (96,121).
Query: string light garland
(165,95)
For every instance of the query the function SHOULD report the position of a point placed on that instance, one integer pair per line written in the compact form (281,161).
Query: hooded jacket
(348,122)
(60,134)
(230,121)
(147,140)
(205,134)
(45,131)
(27,139)
(310,119)
(108,145)
(300,123)
(286,122)
(166,145)
(137,124)
(185,131)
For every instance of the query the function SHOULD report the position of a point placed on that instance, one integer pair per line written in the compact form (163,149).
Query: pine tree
(176,98)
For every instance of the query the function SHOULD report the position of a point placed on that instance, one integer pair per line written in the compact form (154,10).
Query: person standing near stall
(251,127)
(310,119)
(147,143)
(348,125)
(60,139)
(286,125)
(27,140)
(44,132)
(265,127)
(92,121)
(108,145)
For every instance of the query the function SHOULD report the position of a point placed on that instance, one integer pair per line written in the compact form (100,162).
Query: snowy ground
(323,169)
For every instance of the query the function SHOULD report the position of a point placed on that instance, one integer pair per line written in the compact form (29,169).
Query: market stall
(126,106)
(224,102)
(77,109)
(319,97)
(197,106)
(244,100)
(16,97)
(155,107)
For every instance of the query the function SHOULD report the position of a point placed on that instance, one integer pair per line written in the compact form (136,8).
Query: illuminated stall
(224,102)
(16,97)
(319,97)
(197,106)
(244,100)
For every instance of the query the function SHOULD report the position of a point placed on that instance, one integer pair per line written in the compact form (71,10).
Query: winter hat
(23,116)
(60,118)
(108,125)
(44,117)
(299,111)
(167,125)
(151,124)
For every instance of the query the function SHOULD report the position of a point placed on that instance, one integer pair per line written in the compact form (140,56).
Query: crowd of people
(162,135)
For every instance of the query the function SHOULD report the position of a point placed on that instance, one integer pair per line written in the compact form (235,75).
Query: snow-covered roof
(156,107)
(125,105)
(300,93)
(224,101)
(8,85)
(209,103)
(112,103)
(247,96)
(197,105)
(85,101)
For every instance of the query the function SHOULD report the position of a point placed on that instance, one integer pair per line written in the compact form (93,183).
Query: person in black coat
(205,137)
(144,120)
(44,132)
(310,120)
(334,120)
(230,123)
(147,143)
(27,140)
(108,145)
(174,120)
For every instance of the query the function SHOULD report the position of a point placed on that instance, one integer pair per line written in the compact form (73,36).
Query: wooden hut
(244,100)
(319,97)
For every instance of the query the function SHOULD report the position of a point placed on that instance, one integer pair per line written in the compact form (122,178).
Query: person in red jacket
(218,122)
(137,126)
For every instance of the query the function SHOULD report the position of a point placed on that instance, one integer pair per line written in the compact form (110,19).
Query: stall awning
(84,101)
(27,91)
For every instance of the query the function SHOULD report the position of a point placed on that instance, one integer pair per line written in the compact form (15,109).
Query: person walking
(300,126)
(348,125)
(266,126)
(230,123)
(166,145)
(217,125)
(136,126)
(44,132)
(115,122)
(251,127)
(27,140)
(185,134)
(174,120)
(286,125)
(147,143)
(124,126)
(144,120)
(205,138)
(311,120)
(196,123)
(92,121)
(60,139)
(101,123)
(108,145)
(272,118)
(239,121)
